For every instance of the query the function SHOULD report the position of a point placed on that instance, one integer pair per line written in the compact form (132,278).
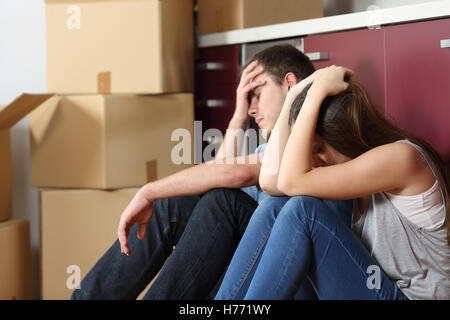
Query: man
(205,229)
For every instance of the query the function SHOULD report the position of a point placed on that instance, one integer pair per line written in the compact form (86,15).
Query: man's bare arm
(241,172)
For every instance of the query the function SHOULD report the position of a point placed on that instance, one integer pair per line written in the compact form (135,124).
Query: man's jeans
(303,248)
(205,230)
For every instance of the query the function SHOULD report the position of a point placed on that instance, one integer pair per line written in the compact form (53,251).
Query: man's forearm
(203,177)
(234,137)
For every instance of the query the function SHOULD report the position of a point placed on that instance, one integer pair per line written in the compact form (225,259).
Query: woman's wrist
(316,92)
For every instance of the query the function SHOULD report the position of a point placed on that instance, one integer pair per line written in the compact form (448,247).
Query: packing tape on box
(104,82)
(151,171)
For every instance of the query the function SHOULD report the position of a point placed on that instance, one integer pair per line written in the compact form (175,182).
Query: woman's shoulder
(401,152)
(408,162)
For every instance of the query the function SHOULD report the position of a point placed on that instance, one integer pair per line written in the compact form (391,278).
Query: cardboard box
(106,141)
(77,227)
(15,264)
(9,116)
(120,46)
(219,15)
(6,176)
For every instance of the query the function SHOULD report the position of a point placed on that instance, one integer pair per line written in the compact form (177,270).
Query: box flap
(20,107)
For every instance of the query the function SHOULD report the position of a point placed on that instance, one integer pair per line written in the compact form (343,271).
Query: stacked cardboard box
(122,74)
(15,265)
(220,16)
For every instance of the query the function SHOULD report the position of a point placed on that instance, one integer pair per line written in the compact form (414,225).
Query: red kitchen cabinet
(418,81)
(360,50)
(218,65)
(217,78)
(215,105)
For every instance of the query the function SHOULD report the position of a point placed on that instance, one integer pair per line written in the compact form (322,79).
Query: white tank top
(426,210)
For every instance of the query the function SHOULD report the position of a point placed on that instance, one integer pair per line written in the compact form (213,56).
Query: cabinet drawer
(218,65)
(215,104)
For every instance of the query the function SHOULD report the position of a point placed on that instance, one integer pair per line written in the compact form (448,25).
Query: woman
(398,245)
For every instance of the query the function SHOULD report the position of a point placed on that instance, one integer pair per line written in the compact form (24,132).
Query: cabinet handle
(445,43)
(210,66)
(211,103)
(317,56)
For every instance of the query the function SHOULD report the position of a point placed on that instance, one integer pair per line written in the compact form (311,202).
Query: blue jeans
(303,248)
(205,230)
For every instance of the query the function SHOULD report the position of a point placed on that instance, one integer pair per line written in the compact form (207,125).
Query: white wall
(22,69)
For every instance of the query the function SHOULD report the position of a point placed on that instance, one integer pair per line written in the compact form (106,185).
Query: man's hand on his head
(245,88)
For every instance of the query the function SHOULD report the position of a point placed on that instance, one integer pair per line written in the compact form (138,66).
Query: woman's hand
(330,81)
(298,88)
(139,210)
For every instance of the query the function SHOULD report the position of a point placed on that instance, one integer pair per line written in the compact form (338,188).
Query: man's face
(266,101)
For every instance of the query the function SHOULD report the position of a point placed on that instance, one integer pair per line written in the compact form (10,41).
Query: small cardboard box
(15,265)
(219,15)
(120,46)
(77,228)
(9,116)
(106,141)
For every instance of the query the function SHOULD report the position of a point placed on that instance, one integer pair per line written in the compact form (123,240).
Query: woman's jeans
(303,248)
(206,231)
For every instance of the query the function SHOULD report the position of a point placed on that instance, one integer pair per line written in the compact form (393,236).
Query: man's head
(284,66)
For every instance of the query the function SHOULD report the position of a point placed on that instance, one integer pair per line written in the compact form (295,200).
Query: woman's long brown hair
(352,125)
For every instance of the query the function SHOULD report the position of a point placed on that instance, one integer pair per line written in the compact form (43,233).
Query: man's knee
(223,194)
(227,197)
(227,204)
(178,208)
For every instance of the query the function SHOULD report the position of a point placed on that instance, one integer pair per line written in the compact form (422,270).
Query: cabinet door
(215,105)
(218,65)
(360,50)
(217,77)
(418,81)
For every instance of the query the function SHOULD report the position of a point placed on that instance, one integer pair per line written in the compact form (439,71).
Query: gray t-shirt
(255,191)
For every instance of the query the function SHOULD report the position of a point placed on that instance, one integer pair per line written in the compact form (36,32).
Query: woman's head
(349,125)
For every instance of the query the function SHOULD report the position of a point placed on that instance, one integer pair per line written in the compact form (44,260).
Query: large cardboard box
(9,116)
(6,175)
(120,46)
(106,141)
(77,228)
(219,15)
(15,264)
